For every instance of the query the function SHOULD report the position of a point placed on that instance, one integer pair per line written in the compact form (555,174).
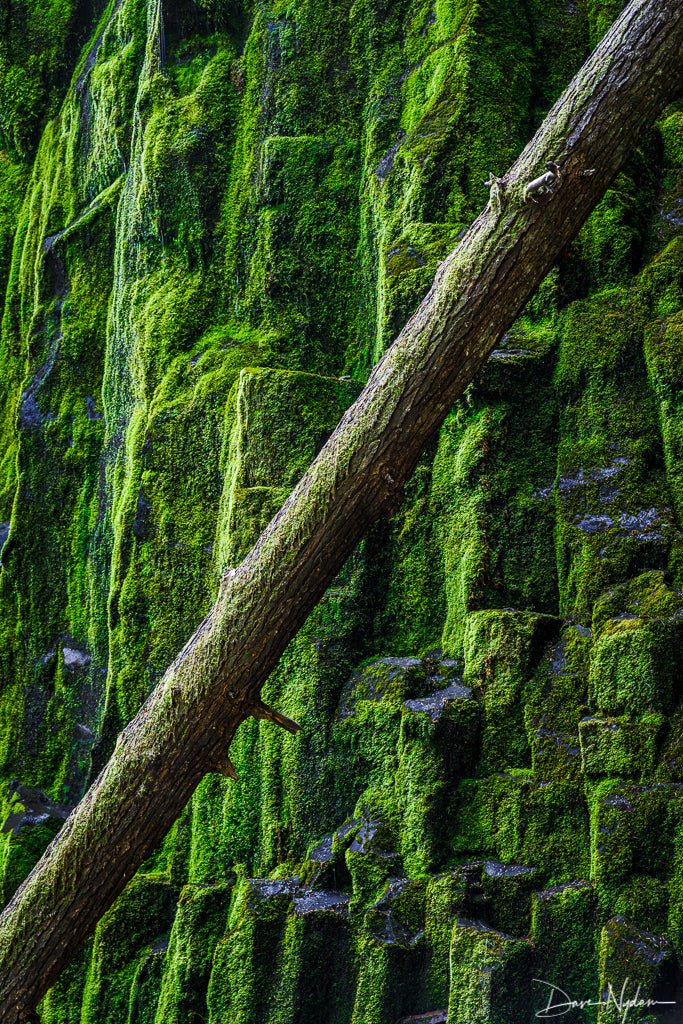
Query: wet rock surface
(91,409)
(323,852)
(583,477)
(377,680)
(308,901)
(414,677)
(436,703)
(305,900)
(31,807)
(435,1017)
(557,890)
(494,869)
(75,659)
(363,841)
(386,919)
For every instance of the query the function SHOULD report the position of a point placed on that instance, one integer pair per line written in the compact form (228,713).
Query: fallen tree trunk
(185,727)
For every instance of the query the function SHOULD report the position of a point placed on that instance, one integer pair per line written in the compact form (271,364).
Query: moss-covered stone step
(635,832)
(636,666)
(492,890)
(392,953)
(437,746)
(199,923)
(621,746)
(563,933)
(490,976)
(433,1017)
(503,648)
(142,915)
(372,860)
(555,755)
(636,966)
(274,961)
(515,819)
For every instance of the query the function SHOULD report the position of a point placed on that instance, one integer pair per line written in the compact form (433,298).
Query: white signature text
(560,1002)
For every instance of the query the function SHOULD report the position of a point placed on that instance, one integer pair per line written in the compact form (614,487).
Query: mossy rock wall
(214,218)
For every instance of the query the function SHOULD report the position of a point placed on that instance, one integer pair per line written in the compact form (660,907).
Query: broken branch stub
(262,711)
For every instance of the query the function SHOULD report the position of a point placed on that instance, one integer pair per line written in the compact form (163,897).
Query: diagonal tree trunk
(185,727)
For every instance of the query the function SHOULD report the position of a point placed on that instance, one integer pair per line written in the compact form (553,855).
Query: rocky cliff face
(214,218)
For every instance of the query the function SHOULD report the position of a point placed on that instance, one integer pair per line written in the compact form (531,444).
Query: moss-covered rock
(634,966)
(562,929)
(491,976)
(201,244)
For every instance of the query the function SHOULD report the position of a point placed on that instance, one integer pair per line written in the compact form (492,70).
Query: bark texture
(185,728)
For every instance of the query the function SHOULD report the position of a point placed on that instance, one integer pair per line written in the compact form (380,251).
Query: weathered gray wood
(185,727)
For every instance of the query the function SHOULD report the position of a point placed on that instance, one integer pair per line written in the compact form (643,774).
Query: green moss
(444,903)
(634,834)
(202,248)
(516,820)
(242,981)
(506,892)
(632,957)
(490,975)
(671,128)
(199,923)
(144,993)
(496,521)
(634,667)
(601,14)
(21,852)
(388,981)
(501,651)
(614,509)
(141,914)
(562,930)
(433,756)
(63,1003)
(619,746)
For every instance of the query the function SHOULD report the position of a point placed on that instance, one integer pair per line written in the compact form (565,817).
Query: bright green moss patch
(199,923)
(63,1003)
(635,667)
(497,524)
(434,755)
(634,833)
(632,957)
(541,825)
(21,852)
(562,930)
(489,976)
(501,649)
(142,914)
(671,129)
(620,746)
(601,14)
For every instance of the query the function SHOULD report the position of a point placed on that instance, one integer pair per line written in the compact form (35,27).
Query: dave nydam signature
(560,1002)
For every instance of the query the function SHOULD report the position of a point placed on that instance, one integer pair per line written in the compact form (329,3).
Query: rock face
(214,217)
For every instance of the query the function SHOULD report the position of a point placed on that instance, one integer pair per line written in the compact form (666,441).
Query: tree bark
(185,727)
